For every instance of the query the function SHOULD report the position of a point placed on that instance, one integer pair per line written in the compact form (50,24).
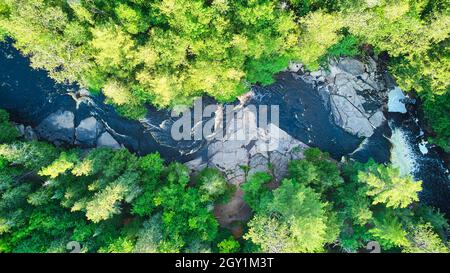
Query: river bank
(32,98)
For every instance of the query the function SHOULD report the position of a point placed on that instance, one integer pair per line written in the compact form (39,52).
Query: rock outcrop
(396,101)
(354,92)
(26,132)
(87,131)
(58,128)
(245,148)
(107,140)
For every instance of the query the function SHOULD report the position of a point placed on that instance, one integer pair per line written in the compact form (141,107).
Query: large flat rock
(58,128)
(246,149)
(355,93)
(107,140)
(87,131)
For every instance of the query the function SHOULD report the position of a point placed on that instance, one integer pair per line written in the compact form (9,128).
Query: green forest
(112,201)
(167,52)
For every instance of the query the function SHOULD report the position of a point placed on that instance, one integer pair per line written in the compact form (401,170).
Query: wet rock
(26,132)
(258,163)
(351,66)
(88,131)
(354,93)
(244,98)
(21,129)
(196,165)
(58,128)
(30,134)
(82,96)
(377,119)
(246,149)
(106,140)
(349,117)
(396,101)
(84,93)
(295,67)
(317,73)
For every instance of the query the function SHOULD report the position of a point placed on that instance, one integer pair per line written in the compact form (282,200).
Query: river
(30,96)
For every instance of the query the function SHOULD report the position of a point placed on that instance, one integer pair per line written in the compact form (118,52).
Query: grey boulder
(106,140)
(88,131)
(58,128)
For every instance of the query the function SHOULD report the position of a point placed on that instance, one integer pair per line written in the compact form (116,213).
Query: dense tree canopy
(161,52)
(354,204)
(167,52)
(110,201)
(414,34)
(114,201)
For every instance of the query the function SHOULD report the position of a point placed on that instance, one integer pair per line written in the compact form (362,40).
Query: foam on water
(402,155)
(395,103)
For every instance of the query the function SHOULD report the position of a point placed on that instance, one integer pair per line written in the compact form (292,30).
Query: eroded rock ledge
(354,91)
(245,148)
(60,128)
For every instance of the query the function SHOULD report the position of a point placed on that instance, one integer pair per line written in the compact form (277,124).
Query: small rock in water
(30,134)
(295,67)
(84,93)
(26,132)
(21,129)
(395,103)
(106,140)
(423,147)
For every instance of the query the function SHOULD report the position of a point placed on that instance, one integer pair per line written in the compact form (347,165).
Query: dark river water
(30,96)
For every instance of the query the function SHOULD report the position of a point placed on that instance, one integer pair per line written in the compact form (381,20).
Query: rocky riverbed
(342,110)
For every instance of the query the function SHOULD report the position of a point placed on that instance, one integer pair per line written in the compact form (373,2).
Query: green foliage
(113,201)
(168,52)
(437,112)
(347,46)
(389,231)
(110,201)
(65,162)
(31,155)
(187,217)
(295,220)
(348,205)
(256,192)
(380,210)
(425,240)
(316,170)
(160,52)
(386,186)
(119,245)
(95,193)
(320,31)
(212,184)
(229,245)
(7,131)
(352,198)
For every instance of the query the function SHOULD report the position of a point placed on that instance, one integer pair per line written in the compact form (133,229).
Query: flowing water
(30,96)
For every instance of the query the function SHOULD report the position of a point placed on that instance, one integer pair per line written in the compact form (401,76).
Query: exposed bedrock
(60,128)
(355,93)
(245,148)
